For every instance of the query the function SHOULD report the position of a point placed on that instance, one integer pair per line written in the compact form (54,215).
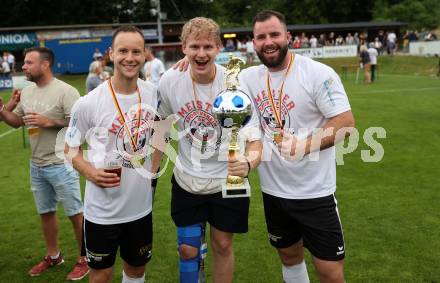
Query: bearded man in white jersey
(201,166)
(116,118)
(302,106)
(299,101)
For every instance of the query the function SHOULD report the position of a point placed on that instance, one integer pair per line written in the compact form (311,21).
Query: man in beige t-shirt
(45,109)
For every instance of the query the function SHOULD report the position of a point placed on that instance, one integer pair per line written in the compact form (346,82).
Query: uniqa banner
(17,41)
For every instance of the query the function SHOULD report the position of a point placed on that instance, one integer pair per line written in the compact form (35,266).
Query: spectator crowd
(383,41)
(7,64)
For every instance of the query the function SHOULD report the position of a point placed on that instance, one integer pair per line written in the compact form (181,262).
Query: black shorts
(225,214)
(102,241)
(315,221)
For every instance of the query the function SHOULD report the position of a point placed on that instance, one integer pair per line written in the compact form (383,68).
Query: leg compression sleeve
(189,268)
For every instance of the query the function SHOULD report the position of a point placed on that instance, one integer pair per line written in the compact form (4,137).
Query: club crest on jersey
(268,119)
(123,141)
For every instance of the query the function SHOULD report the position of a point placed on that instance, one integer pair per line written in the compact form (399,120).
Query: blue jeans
(55,183)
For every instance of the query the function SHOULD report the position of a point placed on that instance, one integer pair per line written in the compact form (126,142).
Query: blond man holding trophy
(203,164)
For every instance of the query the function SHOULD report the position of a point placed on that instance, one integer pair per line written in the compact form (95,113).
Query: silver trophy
(233,109)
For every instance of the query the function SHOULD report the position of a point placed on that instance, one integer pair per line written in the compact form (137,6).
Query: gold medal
(278,137)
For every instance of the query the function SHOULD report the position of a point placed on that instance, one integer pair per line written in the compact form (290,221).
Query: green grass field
(389,209)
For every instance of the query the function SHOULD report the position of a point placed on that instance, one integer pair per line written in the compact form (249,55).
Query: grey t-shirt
(92,82)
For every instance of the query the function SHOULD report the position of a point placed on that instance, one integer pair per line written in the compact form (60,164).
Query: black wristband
(249,168)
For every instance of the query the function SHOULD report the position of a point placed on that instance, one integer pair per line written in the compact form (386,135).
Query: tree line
(228,13)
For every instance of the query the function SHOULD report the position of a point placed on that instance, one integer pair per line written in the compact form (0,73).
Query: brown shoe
(45,264)
(79,271)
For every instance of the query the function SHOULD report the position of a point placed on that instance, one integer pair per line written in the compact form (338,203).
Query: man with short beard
(295,96)
(45,109)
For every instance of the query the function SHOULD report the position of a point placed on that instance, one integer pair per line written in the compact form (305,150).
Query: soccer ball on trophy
(233,110)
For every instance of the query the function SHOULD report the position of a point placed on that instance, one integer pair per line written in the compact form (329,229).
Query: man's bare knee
(332,276)
(101,275)
(330,271)
(76,216)
(292,255)
(222,246)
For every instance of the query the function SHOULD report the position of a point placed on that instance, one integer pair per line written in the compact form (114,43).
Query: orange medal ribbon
(278,112)
(127,130)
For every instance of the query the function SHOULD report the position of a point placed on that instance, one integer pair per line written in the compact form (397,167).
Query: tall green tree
(417,13)
(229,13)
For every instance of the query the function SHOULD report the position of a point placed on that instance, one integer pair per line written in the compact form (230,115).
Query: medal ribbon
(127,130)
(210,99)
(280,93)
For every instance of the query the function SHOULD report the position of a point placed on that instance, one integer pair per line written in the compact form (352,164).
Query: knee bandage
(192,270)
(296,273)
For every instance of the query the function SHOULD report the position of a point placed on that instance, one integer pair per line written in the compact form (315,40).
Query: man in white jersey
(116,119)
(153,68)
(201,166)
(296,97)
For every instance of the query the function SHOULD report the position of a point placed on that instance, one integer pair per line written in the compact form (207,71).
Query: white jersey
(5,67)
(312,94)
(153,70)
(11,59)
(203,144)
(250,47)
(373,55)
(96,119)
(392,37)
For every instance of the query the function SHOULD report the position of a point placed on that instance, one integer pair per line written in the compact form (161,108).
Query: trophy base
(236,191)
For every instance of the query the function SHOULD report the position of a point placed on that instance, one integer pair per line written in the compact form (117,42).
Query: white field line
(8,132)
(396,90)
(415,76)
